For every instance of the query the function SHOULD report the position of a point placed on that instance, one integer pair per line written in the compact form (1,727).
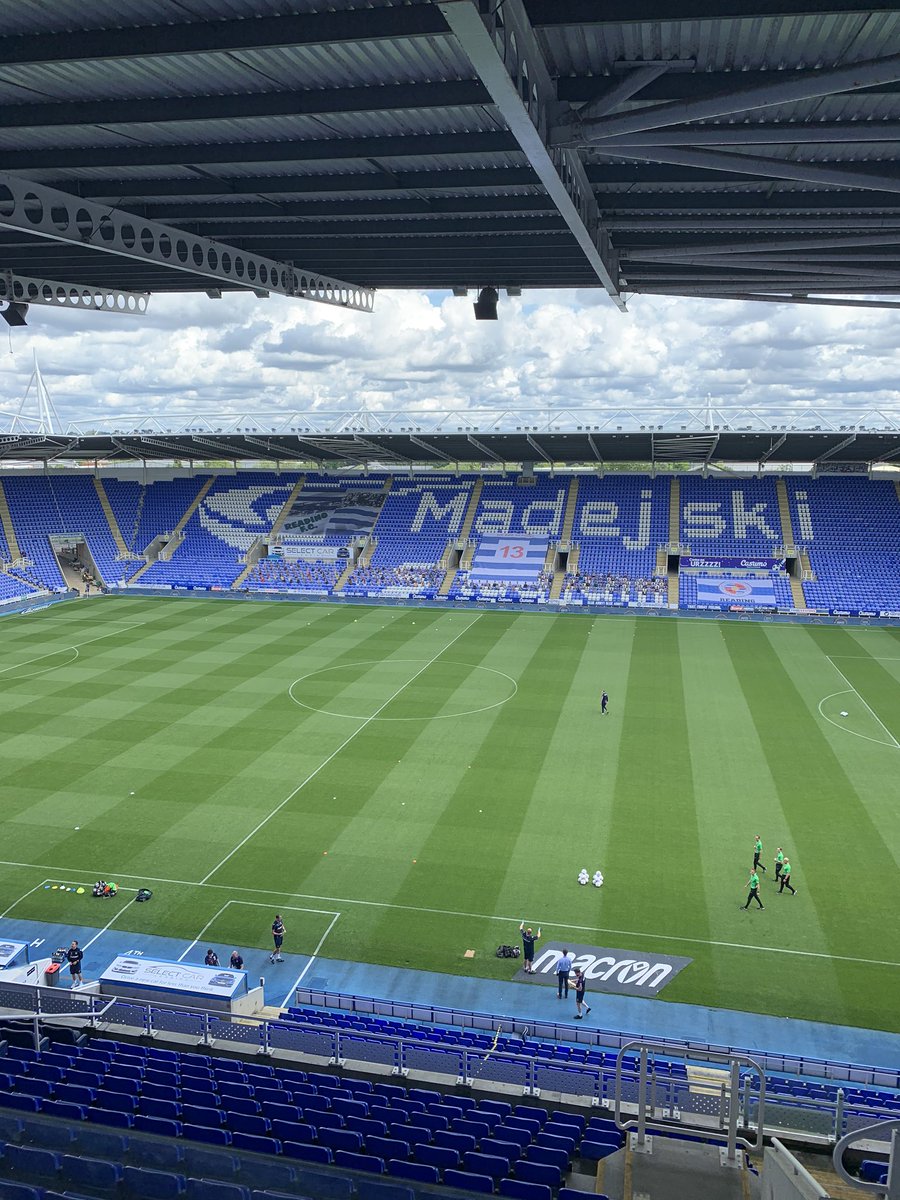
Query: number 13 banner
(509,558)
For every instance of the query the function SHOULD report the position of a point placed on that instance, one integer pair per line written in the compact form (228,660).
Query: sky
(424,351)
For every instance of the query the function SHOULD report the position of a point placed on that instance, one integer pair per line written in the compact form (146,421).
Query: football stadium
(399,806)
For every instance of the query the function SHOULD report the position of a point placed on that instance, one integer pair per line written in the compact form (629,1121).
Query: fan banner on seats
(750,593)
(318,512)
(692,562)
(509,558)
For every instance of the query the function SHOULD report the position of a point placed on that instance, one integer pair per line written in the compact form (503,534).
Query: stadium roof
(363,441)
(735,148)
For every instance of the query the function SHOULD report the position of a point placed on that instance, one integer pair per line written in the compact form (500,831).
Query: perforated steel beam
(44,212)
(507,59)
(770,133)
(25,289)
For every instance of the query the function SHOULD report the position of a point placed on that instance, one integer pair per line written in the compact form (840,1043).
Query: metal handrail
(734,1099)
(890,1190)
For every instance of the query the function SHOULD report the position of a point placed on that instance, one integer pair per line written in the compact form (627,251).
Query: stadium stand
(619,522)
(845,527)
(849,528)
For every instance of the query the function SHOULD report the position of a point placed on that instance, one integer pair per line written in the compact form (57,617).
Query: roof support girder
(773,297)
(535,445)
(417,441)
(770,168)
(526,100)
(449,93)
(480,446)
(204,37)
(44,212)
(762,133)
(549,13)
(758,246)
(773,449)
(809,86)
(842,445)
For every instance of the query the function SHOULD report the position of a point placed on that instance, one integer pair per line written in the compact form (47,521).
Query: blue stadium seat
(207,1133)
(158,1156)
(145,1184)
(341,1139)
(212,1189)
(92,1173)
(532,1172)
(415,1171)
(486,1164)
(259,1143)
(375,1189)
(441,1157)
(468,1182)
(208,1164)
(517,1189)
(596,1150)
(306,1152)
(32,1162)
(359,1162)
(10,1190)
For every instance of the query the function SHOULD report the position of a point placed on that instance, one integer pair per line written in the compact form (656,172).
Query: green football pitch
(436,776)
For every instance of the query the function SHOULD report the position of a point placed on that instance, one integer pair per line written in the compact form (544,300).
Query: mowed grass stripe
(122,748)
(323,800)
(422,765)
(568,815)
(654,835)
(465,859)
(736,798)
(825,816)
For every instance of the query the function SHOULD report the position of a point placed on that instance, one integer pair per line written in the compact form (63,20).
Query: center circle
(430,685)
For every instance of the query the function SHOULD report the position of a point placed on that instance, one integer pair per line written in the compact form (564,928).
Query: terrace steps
(784,512)
(344,577)
(674,536)
(569,516)
(110,517)
(8,528)
(285,510)
(191,509)
(466,558)
(797,593)
(243,575)
(469,519)
(139,572)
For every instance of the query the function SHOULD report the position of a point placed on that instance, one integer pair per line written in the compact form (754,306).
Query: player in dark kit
(278,932)
(604,704)
(74,955)
(529,937)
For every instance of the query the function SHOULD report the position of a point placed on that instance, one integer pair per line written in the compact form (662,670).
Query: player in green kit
(786,878)
(753,885)
(779,863)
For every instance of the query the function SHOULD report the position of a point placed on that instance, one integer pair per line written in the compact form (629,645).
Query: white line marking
(325,912)
(843,728)
(75,646)
(25,896)
(346,742)
(110,922)
(894,741)
(446,912)
(374,662)
(315,955)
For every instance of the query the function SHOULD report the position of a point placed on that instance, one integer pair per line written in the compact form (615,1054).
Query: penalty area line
(315,955)
(448,912)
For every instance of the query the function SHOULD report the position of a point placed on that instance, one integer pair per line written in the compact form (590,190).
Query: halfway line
(346,742)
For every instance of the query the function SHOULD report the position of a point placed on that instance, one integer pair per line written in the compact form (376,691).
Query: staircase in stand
(344,577)
(286,509)
(674,536)
(8,528)
(111,518)
(784,512)
(191,509)
(565,539)
(465,530)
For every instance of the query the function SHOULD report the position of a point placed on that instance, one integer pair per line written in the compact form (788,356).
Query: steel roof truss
(489,454)
(842,445)
(526,100)
(773,449)
(537,446)
(44,212)
(808,86)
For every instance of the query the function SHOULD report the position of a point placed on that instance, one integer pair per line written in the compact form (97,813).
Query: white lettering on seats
(496,516)
(455,508)
(598,519)
(702,519)
(549,526)
(642,541)
(745,517)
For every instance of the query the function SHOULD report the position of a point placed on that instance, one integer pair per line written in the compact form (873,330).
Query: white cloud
(549,349)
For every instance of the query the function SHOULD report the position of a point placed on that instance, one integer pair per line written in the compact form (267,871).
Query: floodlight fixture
(486,304)
(14,314)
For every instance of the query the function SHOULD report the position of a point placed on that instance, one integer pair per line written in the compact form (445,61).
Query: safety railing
(670,1091)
